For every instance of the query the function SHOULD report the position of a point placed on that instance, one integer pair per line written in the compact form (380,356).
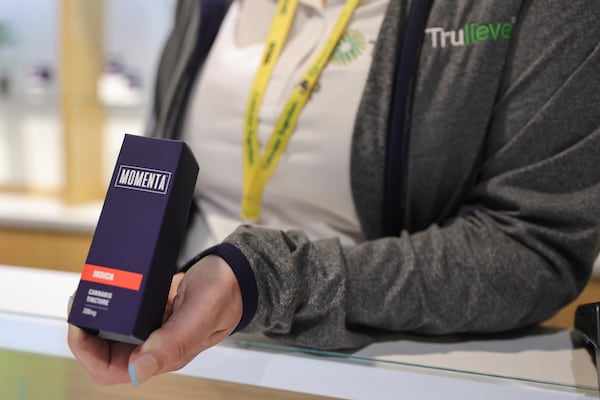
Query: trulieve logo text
(471,33)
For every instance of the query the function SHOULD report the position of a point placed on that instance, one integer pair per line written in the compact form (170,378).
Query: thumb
(144,363)
(166,349)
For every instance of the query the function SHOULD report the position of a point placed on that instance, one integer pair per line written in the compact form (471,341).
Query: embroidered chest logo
(472,33)
(349,48)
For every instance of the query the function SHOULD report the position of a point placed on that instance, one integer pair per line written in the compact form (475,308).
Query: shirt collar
(318,4)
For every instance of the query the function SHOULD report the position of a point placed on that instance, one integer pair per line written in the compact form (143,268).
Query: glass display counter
(34,376)
(35,362)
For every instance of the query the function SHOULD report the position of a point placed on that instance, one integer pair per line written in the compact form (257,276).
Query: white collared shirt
(310,189)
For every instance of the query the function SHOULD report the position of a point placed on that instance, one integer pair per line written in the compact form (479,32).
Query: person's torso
(310,189)
(462,61)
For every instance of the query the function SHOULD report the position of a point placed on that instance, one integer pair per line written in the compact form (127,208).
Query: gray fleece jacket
(500,199)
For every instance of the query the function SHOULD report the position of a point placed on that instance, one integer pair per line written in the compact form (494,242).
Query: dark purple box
(125,282)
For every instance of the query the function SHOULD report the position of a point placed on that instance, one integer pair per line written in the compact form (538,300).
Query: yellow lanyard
(258,168)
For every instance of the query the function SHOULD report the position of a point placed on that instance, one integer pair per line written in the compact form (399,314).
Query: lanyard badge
(258,168)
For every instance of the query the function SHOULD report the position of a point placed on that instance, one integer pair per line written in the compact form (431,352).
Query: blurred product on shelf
(118,86)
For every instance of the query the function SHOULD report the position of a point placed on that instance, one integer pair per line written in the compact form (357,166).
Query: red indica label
(112,277)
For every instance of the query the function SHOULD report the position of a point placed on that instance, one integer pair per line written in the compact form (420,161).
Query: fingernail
(142,369)
(70,305)
(133,375)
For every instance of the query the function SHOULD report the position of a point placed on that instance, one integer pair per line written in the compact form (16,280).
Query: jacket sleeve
(175,54)
(521,245)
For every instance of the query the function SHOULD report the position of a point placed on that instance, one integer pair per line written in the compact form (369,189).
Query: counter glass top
(539,363)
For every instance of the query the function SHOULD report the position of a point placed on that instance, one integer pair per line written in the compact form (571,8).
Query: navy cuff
(244,274)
